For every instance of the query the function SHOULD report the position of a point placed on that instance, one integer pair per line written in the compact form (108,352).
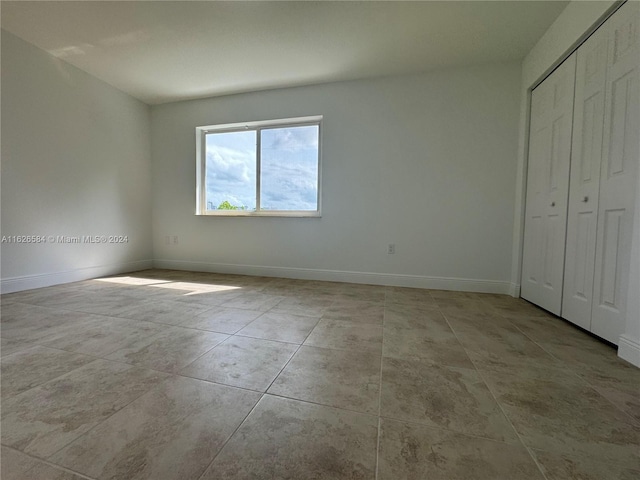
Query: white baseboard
(28,282)
(392,279)
(629,349)
(514,290)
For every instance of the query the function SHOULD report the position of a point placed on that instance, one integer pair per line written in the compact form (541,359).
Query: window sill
(235,213)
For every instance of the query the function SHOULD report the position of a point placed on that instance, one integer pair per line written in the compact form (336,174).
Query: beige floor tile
(454,294)
(625,396)
(412,316)
(14,464)
(280,327)
(223,320)
(100,303)
(43,296)
(172,432)
(343,335)
(9,347)
(409,296)
(18,466)
(34,324)
(243,362)
(196,294)
(441,396)
(365,293)
(415,452)
(543,391)
(551,329)
(465,305)
(562,414)
(428,323)
(418,343)
(514,308)
(165,311)
(43,471)
(502,347)
(468,319)
(102,336)
(345,379)
(33,366)
(310,306)
(599,363)
(563,467)
(170,350)
(292,440)
(254,301)
(42,420)
(356,311)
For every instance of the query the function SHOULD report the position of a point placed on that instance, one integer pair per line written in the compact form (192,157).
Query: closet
(584,151)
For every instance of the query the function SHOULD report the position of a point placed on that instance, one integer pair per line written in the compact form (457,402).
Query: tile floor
(180,375)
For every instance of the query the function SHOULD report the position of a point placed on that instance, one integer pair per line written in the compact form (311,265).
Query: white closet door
(548,188)
(586,160)
(618,174)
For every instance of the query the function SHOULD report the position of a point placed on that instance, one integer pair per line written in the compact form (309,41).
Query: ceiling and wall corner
(168,51)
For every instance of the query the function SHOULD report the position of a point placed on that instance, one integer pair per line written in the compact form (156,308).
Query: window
(269,168)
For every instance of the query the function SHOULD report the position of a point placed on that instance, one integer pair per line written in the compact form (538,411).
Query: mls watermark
(64,239)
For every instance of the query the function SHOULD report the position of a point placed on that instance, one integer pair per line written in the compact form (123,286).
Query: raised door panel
(618,174)
(547,188)
(586,159)
(536,194)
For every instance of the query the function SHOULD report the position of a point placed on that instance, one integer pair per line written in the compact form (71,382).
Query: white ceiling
(163,51)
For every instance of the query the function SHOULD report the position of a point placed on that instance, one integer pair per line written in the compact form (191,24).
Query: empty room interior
(320,240)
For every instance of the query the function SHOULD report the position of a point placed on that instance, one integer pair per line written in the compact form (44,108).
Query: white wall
(426,162)
(75,161)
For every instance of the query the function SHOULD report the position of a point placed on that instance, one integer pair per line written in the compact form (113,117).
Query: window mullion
(258,166)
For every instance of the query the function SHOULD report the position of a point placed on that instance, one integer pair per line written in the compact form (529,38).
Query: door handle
(585,199)
(553,204)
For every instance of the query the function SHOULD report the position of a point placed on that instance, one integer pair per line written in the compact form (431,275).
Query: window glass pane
(231,171)
(289,168)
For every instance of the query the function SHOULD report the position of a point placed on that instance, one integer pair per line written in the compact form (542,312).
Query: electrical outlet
(175,240)
(391,249)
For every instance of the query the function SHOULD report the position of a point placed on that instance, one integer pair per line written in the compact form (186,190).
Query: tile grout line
(529,450)
(502,410)
(377,470)
(228,439)
(49,463)
(568,368)
(293,355)
(310,402)
(109,416)
(263,394)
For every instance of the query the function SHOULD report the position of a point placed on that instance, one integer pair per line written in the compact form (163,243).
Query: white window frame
(201,166)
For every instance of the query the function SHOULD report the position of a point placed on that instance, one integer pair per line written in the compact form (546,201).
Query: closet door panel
(548,187)
(618,174)
(534,230)
(586,160)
